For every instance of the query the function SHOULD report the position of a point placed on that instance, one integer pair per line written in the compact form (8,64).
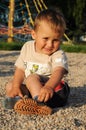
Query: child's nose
(50,43)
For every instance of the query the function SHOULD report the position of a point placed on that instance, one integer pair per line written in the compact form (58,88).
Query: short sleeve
(59,59)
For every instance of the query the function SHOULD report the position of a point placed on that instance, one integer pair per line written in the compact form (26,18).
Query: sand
(70,117)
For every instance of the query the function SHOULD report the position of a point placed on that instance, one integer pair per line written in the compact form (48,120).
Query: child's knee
(31,78)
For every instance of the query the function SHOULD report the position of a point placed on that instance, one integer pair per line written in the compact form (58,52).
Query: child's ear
(33,34)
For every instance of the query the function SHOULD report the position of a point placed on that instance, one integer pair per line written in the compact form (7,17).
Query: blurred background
(17,18)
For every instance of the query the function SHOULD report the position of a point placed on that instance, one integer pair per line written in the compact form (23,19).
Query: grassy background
(66,47)
(10,46)
(74,48)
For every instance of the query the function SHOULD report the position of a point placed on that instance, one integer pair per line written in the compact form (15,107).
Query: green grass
(67,48)
(10,46)
(74,48)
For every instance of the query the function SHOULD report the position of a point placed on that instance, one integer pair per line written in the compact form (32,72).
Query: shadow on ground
(77,96)
(6,66)
(9,54)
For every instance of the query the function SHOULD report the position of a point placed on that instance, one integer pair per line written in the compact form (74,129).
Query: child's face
(47,40)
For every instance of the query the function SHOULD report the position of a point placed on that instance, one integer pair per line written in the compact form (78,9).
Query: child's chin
(47,53)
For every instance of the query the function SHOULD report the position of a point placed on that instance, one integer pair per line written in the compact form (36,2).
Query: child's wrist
(49,87)
(16,85)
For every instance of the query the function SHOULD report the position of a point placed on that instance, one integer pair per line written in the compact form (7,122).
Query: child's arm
(18,77)
(56,77)
(16,84)
(47,90)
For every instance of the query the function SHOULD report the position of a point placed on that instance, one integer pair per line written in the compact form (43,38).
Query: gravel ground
(70,117)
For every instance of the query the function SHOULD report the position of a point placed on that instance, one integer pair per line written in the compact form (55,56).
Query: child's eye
(46,38)
(56,40)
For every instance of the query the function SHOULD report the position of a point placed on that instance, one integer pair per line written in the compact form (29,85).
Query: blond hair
(53,17)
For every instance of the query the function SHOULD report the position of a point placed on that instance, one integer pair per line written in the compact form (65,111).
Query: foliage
(10,46)
(74,12)
(74,48)
(66,47)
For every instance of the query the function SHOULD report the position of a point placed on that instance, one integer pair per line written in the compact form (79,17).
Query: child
(41,64)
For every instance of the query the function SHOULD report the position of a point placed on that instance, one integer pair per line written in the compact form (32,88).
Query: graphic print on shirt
(33,67)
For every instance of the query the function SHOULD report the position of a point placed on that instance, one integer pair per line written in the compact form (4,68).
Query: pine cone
(30,106)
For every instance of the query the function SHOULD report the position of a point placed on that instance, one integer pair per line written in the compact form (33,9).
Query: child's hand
(15,92)
(45,94)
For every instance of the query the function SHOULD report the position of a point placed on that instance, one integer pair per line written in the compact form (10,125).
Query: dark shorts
(60,97)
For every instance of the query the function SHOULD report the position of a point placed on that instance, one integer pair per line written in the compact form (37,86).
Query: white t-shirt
(32,62)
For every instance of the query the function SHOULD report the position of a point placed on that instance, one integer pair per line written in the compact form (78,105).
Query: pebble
(70,117)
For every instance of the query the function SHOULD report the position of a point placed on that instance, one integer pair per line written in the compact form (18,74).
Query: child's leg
(60,96)
(33,83)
